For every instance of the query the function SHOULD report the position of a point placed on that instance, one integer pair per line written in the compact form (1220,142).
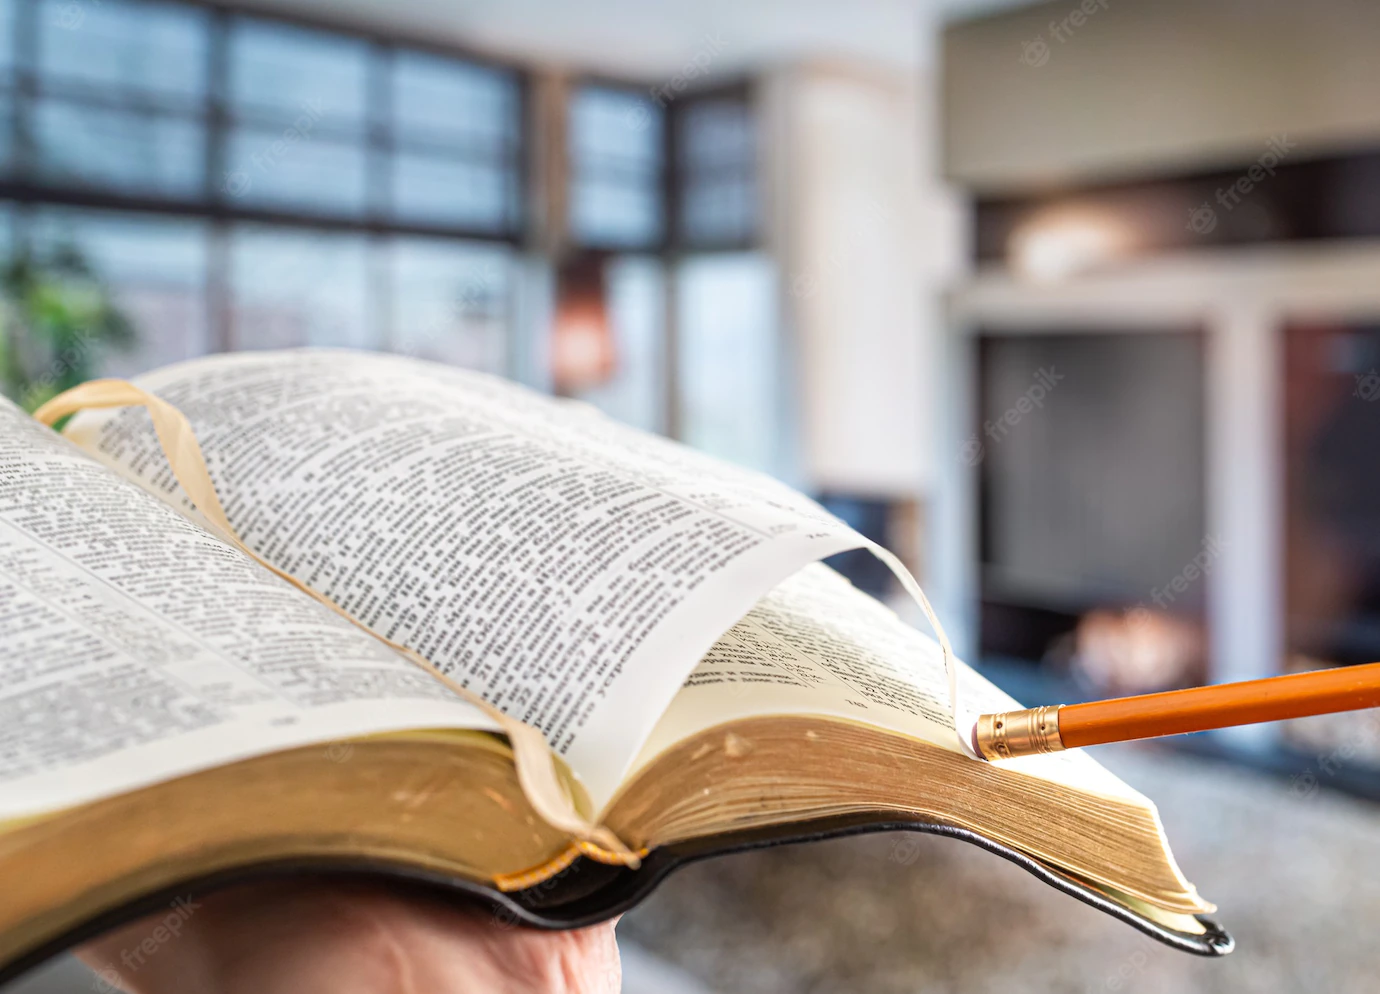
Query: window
(293,287)
(120,96)
(154,269)
(277,71)
(729,361)
(7,13)
(233,180)
(238,180)
(622,202)
(7,84)
(96,293)
(716,163)
(219,112)
(616,169)
(125,49)
(457,138)
(635,393)
(298,100)
(450,302)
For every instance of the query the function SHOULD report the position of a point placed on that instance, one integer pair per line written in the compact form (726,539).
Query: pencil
(1176,712)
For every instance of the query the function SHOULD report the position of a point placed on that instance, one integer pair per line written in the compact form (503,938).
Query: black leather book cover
(587,892)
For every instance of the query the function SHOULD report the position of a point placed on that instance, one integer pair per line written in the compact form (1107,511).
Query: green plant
(56,318)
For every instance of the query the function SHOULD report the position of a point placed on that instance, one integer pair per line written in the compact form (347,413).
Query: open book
(174,716)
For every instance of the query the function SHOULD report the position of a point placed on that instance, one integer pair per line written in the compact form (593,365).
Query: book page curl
(541,781)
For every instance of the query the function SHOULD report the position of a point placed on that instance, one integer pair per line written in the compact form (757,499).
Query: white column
(1244,501)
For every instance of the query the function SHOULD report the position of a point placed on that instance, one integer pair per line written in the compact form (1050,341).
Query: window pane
(715,134)
(636,393)
(282,72)
(7,223)
(132,152)
(7,9)
(614,126)
(430,190)
(155,269)
(475,112)
(450,302)
(729,365)
(7,161)
(149,48)
(291,288)
(718,211)
(617,213)
(717,154)
(616,165)
(444,100)
(295,170)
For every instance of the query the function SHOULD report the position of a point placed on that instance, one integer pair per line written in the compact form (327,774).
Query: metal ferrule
(1018,733)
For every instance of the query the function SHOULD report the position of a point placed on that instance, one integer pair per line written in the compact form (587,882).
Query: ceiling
(656,38)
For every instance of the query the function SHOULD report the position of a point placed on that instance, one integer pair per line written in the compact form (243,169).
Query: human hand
(346,938)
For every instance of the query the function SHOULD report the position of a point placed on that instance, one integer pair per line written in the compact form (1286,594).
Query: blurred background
(1075,305)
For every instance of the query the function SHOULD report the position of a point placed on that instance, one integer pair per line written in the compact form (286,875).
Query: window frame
(673,240)
(662,246)
(524,232)
(744,91)
(378,138)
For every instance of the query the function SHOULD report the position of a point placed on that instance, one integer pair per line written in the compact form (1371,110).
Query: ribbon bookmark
(962,719)
(536,766)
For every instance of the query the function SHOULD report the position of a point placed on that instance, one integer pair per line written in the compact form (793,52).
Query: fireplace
(1092,539)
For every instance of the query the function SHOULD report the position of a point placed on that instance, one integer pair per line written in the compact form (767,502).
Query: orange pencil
(1175,712)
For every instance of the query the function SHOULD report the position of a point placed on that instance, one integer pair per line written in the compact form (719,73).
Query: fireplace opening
(1094,553)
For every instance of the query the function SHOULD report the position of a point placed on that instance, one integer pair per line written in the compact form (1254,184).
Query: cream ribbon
(536,766)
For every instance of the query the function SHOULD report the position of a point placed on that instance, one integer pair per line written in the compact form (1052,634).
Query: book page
(568,568)
(135,646)
(816,645)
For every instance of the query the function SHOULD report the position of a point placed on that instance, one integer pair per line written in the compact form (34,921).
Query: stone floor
(1294,868)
